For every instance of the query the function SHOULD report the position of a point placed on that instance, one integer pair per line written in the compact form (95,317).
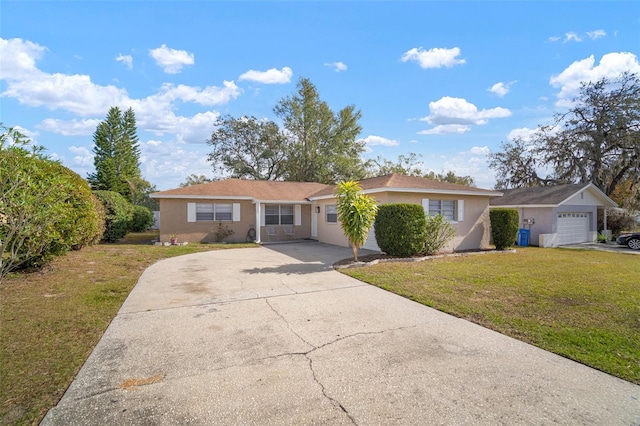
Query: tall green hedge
(400,229)
(45,209)
(142,219)
(118,215)
(504,227)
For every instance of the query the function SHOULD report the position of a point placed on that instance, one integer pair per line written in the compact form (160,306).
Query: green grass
(50,320)
(583,305)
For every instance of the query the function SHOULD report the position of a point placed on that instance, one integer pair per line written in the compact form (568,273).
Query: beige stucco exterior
(173,220)
(472,232)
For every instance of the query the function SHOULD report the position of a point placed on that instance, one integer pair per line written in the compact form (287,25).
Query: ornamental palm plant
(356,213)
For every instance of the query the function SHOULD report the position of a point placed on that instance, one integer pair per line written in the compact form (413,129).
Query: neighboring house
(557,215)
(305,210)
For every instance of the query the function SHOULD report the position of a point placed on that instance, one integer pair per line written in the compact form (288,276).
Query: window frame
(442,211)
(215,210)
(331,214)
(270,216)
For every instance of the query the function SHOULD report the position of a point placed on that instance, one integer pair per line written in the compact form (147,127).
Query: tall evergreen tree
(117,154)
(323,144)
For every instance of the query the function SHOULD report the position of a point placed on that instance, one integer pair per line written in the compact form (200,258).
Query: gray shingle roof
(543,195)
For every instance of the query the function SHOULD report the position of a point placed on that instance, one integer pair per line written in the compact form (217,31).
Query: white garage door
(371,243)
(573,228)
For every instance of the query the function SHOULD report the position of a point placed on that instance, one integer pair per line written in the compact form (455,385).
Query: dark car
(631,240)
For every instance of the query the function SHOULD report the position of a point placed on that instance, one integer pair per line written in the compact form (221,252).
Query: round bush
(46,210)
(142,219)
(504,227)
(118,215)
(400,229)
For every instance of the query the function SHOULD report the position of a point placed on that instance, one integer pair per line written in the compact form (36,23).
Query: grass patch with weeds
(583,305)
(50,320)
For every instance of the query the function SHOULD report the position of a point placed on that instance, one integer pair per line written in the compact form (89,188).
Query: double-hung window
(278,214)
(214,212)
(446,208)
(332,214)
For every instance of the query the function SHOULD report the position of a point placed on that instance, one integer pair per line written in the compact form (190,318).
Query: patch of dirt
(134,384)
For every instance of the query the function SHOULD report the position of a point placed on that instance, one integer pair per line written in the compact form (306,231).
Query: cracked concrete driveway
(274,336)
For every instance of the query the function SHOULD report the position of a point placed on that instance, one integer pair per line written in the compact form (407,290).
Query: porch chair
(289,231)
(271,232)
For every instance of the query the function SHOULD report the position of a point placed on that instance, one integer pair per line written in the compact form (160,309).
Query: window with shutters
(214,212)
(446,208)
(278,214)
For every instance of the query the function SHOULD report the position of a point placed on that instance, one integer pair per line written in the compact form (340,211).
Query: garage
(573,228)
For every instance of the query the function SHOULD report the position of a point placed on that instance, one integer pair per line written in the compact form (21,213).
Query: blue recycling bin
(523,237)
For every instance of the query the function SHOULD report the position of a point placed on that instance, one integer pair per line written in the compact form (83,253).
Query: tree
(194,179)
(451,178)
(322,144)
(356,213)
(247,147)
(409,165)
(117,154)
(597,140)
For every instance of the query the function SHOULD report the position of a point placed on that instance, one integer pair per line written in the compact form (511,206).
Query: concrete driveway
(274,336)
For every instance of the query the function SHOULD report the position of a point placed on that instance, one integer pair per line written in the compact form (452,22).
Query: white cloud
(585,70)
(125,59)
(594,35)
(457,115)
(465,163)
(434,58)
(523,133)
(272,76)
(69,128)
(169,162)
(373,140)
(500,89)
(29,134)
(571,36)
(337,66)
(553,39)
(19,58)
(83,156)
(171,60)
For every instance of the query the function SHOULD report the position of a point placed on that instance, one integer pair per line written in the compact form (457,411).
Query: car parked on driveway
(631,240)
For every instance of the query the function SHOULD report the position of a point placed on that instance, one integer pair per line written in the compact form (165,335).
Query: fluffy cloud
(373,140)
(69,128)
(272,76)
(523,133)
(500,89)
(571,36)
(83,157)
(585,70)
(594,35)
(337,66)
(457,115)
(170,162)
(434,58)
(19,58)
(125,59)
(171,60)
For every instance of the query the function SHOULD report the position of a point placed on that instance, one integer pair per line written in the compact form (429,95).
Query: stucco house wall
(173,214)
(472,232)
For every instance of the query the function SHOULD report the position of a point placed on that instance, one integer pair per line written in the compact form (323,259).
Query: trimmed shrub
(45,210)
(400,229)
(504,227)
(118,215)
(439,232)
(142,219)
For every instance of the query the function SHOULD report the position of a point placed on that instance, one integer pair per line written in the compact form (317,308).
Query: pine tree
(117,154)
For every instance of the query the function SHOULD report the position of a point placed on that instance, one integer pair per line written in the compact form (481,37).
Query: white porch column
(258,216)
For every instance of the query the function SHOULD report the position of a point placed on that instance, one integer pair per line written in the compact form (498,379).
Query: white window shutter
(297,215)
(425,206)
(191,212)
(262,219)
(460,217)
(236,212)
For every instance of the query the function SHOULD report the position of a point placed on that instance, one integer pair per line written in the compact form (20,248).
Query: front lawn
(51,320)
(583,305)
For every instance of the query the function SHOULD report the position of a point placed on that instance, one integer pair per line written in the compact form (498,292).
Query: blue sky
(447,80)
